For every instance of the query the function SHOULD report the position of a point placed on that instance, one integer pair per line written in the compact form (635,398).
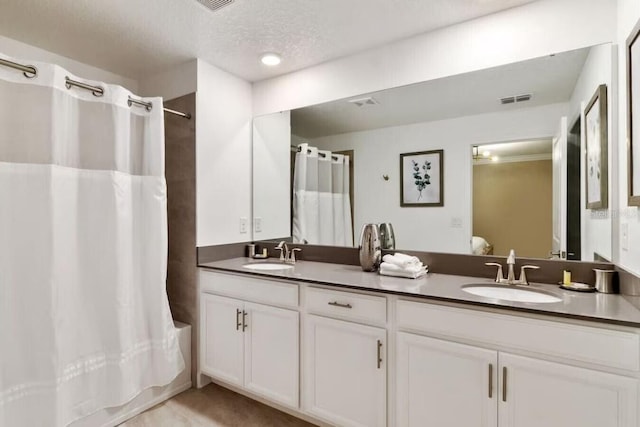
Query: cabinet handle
(490,380)
(504,384)
(238,324)
(379,354)
(244,320)
(337,304)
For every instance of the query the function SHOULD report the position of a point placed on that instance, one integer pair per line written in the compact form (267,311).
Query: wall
(223,156)
(625,218)
(172,83)
(376,153)
(271,176)
(521,221)
(182,271)
(24,51)
(596,226)
(535,29)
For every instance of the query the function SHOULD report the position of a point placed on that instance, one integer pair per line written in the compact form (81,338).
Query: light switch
(257,224)
(624,238)
(244,224)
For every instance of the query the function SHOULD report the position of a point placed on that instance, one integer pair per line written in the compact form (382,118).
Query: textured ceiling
(135,37)
(551,79)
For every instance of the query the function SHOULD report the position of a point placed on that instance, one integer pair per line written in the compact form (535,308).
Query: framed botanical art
(596,137)
(633,116)
(422,179)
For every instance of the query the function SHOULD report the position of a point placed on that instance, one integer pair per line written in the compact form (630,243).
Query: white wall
(596,226)
(535,29)
(625,217)
(25,51)
(223,156)
(377,152)
(272,176)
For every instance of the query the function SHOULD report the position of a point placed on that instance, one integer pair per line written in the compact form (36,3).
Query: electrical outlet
(456,222)
(624,238)
(244,225)
(257,224)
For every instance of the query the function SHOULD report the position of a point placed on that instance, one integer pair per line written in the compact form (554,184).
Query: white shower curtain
(321,202)
(84,317)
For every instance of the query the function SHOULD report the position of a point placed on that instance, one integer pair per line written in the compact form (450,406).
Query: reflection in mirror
(348,170)
(512,198)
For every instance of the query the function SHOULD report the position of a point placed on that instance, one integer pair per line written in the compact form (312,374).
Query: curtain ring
(28,74)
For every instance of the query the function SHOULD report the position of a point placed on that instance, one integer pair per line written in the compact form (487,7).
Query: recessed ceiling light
(270,59)
(495,158)
(486,153)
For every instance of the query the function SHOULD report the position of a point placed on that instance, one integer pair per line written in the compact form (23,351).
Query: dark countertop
(608,308)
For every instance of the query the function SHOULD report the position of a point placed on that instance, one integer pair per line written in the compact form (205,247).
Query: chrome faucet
(511,262)
(511,277)
(286,255)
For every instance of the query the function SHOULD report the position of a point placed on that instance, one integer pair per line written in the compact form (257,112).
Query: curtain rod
(29,71)
(323,155)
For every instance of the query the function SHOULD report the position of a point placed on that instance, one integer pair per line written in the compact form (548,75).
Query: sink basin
(511,293)
(268,266)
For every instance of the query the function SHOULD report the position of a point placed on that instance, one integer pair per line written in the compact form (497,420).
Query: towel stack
(401,265)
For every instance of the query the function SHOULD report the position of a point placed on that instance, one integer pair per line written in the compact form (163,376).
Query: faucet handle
(292,258)
(523,275)
(499,276)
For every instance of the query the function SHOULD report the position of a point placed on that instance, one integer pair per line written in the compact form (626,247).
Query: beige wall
(512,206)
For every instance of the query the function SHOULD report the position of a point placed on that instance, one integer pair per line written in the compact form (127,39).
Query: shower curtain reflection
(321,200)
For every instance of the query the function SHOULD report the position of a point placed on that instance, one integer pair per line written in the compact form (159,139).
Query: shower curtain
(84,316)
(321,202)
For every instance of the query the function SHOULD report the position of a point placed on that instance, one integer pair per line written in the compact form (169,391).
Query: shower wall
(180,164)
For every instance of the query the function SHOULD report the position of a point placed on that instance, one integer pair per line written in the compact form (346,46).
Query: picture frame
(597,150)
(633,117)
(422,179)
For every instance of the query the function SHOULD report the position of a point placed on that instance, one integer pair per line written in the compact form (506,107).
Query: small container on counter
(605,281)
(566,277)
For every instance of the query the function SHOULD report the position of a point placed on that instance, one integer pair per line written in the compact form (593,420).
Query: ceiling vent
(215,5)
(364,102)
(518,98)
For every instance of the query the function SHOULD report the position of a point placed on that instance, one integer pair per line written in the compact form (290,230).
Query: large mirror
(477,163)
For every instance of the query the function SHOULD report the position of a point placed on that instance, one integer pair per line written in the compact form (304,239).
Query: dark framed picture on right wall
(633,116)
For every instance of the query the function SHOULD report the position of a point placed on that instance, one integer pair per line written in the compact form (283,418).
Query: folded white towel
(415,268)
(401,260)
(404,274)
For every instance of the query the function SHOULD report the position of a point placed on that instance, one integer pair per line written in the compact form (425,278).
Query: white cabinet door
(445,384)
(272,353)
(345,373)
(540,393)
(221,338)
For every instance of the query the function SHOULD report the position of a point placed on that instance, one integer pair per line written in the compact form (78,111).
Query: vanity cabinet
(446,383)
(345,372)
(251,345)
(541,393)
(322,352)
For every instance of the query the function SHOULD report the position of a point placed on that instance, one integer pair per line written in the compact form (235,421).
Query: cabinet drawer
(346,305)
(250,289)
(594,345)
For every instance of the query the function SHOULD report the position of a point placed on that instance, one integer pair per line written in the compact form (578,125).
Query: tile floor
(213,406)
